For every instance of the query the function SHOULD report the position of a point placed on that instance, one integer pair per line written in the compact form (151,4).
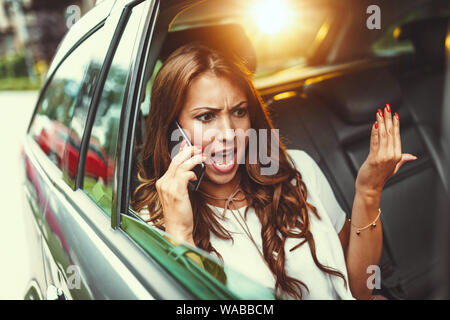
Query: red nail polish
(380,113)
(388,107)
(376,124)
(396,115)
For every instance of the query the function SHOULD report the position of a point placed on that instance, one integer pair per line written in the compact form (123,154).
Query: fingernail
(396,115)
(388,107)
(380,113)
(376,124)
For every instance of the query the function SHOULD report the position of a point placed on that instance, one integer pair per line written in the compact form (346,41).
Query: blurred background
(30,31)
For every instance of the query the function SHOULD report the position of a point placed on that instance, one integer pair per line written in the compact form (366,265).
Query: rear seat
(331,120)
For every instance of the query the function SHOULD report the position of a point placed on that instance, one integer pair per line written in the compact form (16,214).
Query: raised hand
(385,157)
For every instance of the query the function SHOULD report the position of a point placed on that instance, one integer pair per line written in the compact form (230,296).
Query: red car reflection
(63,147)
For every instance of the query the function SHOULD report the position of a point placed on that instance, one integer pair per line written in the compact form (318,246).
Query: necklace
(243,224)
(230,199)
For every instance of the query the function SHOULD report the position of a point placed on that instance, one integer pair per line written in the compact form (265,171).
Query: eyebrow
(216,109)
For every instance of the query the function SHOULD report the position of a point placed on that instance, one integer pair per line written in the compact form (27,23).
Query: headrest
(230,39)
(357,96)
(428,38)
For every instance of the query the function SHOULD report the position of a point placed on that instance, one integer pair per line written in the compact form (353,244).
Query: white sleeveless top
(242,255)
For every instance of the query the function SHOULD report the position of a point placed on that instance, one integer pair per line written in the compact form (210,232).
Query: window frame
(126,134)
(125,7)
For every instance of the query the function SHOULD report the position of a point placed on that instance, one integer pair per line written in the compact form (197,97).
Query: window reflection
(202,273)
(65,104)
(99,167)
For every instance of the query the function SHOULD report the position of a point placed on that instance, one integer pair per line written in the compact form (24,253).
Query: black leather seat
(331,120)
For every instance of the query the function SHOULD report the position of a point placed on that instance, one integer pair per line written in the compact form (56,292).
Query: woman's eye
(240,112)
(205,117)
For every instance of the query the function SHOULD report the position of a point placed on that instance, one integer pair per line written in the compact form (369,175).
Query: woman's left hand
(385,157)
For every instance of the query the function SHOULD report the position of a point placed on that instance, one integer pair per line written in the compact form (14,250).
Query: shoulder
(318,186)
(306,165)
(300,157)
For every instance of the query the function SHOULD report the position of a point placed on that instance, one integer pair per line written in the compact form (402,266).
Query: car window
(389,43)
(393,43)
(204,275)
(61,113)
(99,165)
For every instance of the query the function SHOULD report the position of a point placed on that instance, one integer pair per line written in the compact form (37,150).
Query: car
(322,73)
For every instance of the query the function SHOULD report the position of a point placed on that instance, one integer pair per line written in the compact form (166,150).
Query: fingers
(385,142)
(388,134)
(397,138)
(405,157)
(389,129)
(184,174)
(408,157)
(189,176)
(382,135)
(184,154)
(374,141)
(192,162)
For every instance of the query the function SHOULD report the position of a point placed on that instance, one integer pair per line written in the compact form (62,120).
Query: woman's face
(214,115)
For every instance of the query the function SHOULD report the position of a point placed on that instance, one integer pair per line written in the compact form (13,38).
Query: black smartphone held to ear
(176,137)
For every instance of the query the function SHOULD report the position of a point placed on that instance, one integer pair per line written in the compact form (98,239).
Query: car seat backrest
(357,96)
(336,115)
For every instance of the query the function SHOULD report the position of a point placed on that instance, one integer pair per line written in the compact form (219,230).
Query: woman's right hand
(172,190)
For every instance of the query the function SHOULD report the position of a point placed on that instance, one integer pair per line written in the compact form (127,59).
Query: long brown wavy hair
(280,205)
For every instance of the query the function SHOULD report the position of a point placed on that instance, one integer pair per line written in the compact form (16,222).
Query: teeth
(222,161)
(223,165)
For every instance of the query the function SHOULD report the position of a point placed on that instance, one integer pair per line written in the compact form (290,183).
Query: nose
(226,130)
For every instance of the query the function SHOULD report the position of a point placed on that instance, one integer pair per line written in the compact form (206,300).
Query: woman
(284,229)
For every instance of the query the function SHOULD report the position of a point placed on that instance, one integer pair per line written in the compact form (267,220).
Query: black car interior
(330,118)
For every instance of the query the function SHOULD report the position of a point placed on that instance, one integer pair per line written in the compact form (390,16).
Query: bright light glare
(271,15)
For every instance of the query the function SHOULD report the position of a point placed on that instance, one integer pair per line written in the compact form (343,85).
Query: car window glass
(99,165)
(70,89)
(393,43)
(389,44)
(204,275)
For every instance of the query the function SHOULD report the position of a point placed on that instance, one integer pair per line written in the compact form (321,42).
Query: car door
(79,256)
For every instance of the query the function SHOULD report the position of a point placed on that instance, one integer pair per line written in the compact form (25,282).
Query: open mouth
(224,162)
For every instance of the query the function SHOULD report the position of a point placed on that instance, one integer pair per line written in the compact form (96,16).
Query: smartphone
(176,137)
